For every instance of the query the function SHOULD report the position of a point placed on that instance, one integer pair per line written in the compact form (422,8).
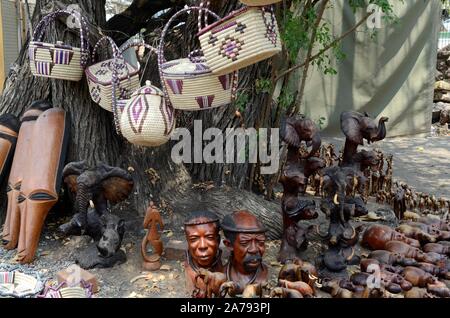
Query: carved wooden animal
(388,258)
(212,281)
(376,236)
(418,277)
(280,292)
(299,271)
(255,290)
(404,249)
(439,289)
(436,222)
(417,292)
(436,248)
(438,270)
(301,287)
(333,287)
(416,233)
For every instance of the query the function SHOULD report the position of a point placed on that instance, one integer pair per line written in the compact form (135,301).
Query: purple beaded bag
(60,61)
(102,76)
(188,83)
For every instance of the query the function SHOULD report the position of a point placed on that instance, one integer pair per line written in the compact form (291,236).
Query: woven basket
(258,3)
(58,60)
(84,290)
(18,284)
(101,75)
(243,38)
(189,83)
(146,119)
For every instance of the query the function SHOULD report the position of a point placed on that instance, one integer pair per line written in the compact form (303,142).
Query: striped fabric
(43,68)
(6,277)
(62,57)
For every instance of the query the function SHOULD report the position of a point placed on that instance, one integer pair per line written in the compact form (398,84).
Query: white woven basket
(258,3)
(243,38)
(58,60)
(18,284)
(189,83)
(146,119)
(100,77)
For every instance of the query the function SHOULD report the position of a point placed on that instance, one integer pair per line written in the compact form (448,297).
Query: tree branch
(308,56)
(332,44)
(126,24)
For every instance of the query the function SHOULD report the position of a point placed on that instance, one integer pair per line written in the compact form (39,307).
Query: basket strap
(117,57)
(201,14)
(38,34)
(138,43)
(161,59)
(272,24)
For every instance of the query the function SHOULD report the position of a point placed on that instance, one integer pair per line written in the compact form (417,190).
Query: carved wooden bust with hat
(245,237)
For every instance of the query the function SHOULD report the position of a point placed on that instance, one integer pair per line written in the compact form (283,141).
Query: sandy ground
(421,162)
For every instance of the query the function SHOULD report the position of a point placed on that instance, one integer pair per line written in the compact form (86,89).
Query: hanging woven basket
(101,75)
(243,38)
(258,3)
(58,60)
(146,119)
(189,83)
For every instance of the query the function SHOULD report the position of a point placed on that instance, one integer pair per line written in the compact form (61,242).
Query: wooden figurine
(203,253)
(246,239)
(154,224)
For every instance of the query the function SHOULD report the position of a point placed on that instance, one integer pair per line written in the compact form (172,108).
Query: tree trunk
(93,137)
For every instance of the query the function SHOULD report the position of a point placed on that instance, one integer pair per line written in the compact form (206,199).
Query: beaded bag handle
(272,24)
(162,60)
(39,32)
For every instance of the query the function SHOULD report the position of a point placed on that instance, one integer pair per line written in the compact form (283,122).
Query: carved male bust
(203,240)
(245,237)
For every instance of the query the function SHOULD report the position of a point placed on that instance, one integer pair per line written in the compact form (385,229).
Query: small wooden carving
(153,223)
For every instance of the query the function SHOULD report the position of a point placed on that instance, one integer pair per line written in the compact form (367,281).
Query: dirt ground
(421,162)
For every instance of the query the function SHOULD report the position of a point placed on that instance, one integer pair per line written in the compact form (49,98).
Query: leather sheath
(19,164)
(40,188)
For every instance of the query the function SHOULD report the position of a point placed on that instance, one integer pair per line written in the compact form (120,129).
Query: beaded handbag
(102,75)
(189,83)
(145,119)
(60,61)
(243,38)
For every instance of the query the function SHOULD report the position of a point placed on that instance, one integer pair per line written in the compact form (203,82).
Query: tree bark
(93,137)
